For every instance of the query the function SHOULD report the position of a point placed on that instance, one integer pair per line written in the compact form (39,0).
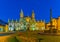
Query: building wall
(54,23)
(6,28)
(59,23)
(2,28)
(40,25)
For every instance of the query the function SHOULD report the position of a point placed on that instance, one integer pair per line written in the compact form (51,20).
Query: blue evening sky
(10,9)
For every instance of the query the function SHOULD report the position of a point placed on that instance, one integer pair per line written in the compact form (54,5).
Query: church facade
(25,23)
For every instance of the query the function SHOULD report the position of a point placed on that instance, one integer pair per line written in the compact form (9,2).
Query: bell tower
(33,15)
(21,14)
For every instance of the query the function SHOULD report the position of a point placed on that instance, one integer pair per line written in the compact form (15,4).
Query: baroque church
(24,23)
